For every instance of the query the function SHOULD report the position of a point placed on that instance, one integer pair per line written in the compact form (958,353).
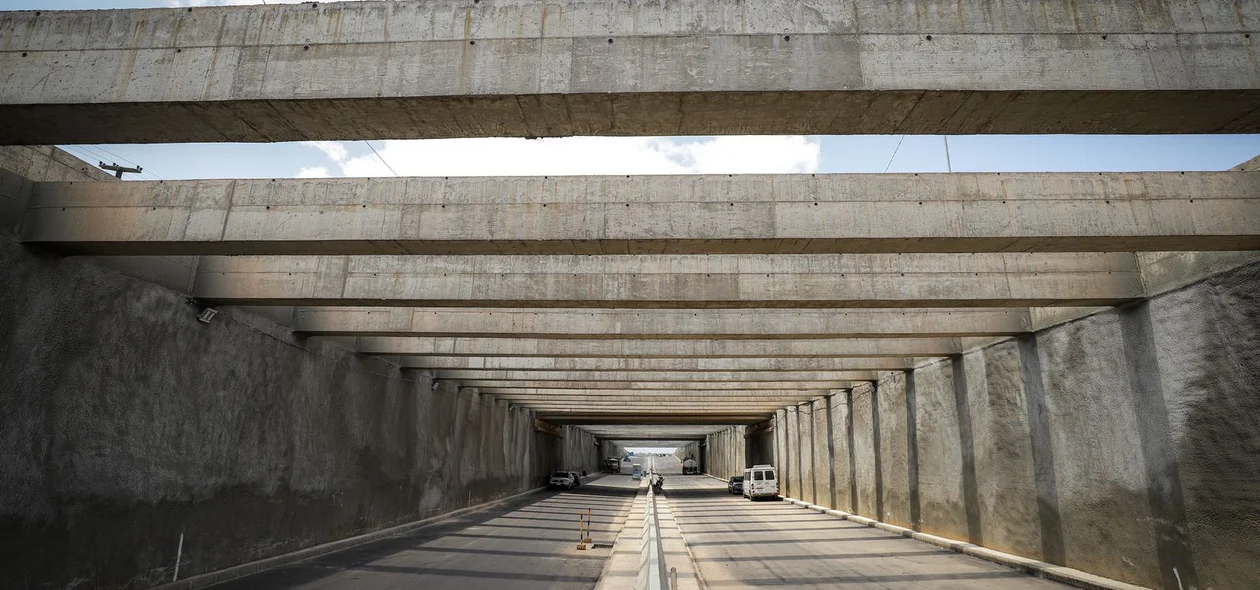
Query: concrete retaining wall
(1123,444)
(725,452)
(128,424)
(580,451)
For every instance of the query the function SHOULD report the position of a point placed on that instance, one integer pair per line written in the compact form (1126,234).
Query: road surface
(738,543)
(528,543)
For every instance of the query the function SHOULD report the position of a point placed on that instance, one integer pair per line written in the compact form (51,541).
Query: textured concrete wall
(129,423)
(866,464)
(1099,472)
(580,451)
(1002,442)
(805,422)
(794,452)
(939,454)
(821,430)
(1123,443)
(759,447)
(894,453)
(841,439)
(725,452)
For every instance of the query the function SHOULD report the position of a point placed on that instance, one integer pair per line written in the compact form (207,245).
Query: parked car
(735,485)
(760,481)
(562,479)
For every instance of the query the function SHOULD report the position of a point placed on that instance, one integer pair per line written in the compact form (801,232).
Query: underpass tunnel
(950,374)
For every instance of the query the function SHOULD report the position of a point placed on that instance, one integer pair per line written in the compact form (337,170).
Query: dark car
(735,485)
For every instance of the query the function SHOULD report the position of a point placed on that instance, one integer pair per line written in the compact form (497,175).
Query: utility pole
(119,170)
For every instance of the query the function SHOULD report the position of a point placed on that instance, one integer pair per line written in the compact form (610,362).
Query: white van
(636,472)
(760,481)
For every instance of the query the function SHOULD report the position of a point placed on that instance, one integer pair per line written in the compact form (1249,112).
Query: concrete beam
(563,386)
(506,347)
(663,416)
(681,282)
(658,376)
(450,68)
(622,324)
(781,214)
(548,365)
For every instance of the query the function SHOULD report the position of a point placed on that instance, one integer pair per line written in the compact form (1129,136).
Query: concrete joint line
(270,563)
(1041,569)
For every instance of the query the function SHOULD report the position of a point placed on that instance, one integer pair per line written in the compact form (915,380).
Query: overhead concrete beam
(663,416)
(641,323)
(450,68)
(780,214)
(638,365)
(657,376)
(563,386)
(679,282)
(563,348)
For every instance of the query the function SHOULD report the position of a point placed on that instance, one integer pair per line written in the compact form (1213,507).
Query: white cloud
(314,172)
(585,155)
(335,150)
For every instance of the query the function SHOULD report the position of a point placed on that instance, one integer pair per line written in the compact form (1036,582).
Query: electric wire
(894,156)
(378,157)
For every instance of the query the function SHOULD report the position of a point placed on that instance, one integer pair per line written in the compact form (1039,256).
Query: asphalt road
(527,543)
(738,543)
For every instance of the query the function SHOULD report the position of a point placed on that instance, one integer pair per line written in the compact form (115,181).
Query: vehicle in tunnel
(760,481)
(562,479)
(612,465)
(735,485)
(690,467)
(636,472)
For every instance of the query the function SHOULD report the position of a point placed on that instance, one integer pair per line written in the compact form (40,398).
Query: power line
(894,156)
(128,160)
(378,156)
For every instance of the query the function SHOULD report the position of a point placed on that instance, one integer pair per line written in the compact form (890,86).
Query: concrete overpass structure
(457,68)
(1053,371)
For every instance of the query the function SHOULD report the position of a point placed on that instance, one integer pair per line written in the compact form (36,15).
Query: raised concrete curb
(623,567)
(270,563)
(1041,569)
(632,561)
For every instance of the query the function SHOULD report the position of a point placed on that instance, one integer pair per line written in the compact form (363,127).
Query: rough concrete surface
(821,466)
(759,447)
(939,454)
(841,435)
(650,214)
(1004,464)
(129,424)
(1207,340)
(866,468)
(414,69)
(893,450)
(1097,451)
(805,424)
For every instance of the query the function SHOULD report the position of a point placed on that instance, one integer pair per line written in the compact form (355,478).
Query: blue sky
(658,155)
